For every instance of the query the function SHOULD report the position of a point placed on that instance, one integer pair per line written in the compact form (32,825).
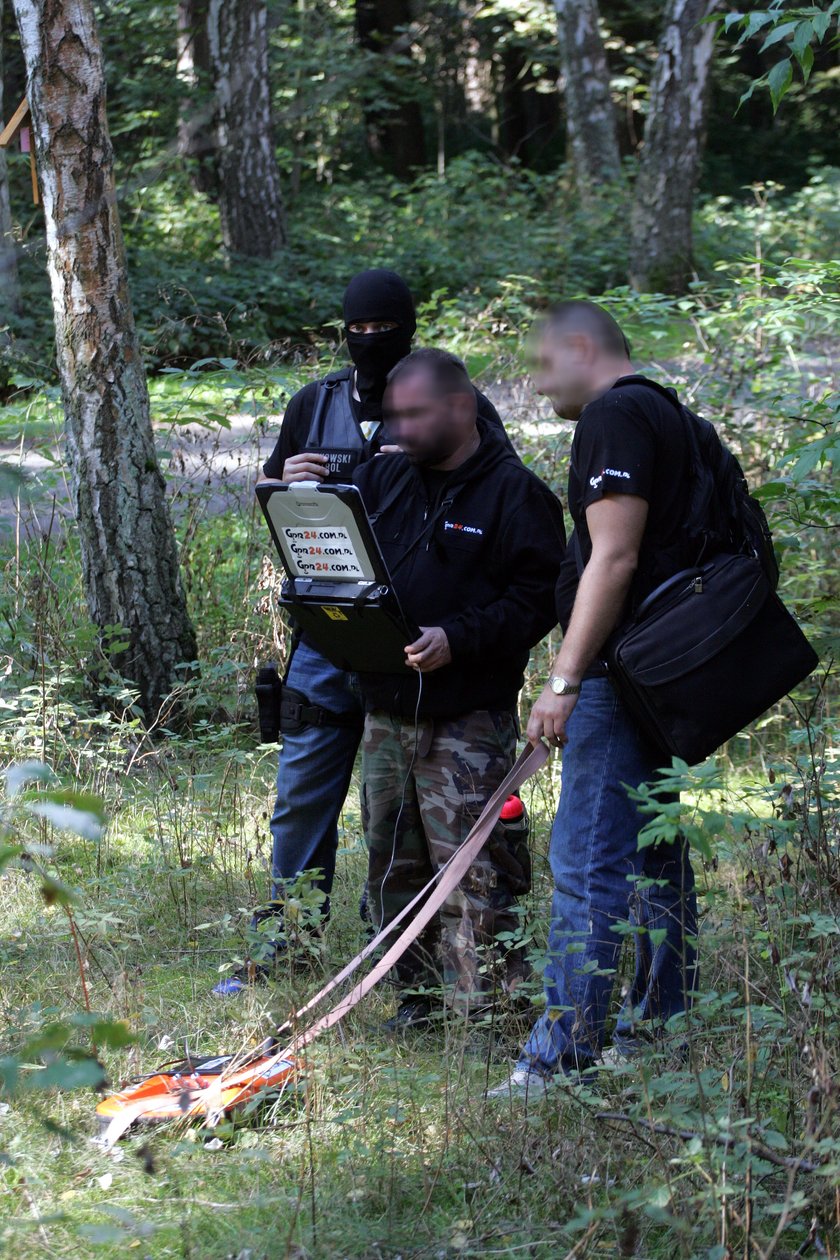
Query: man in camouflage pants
(459,764)
(474,542)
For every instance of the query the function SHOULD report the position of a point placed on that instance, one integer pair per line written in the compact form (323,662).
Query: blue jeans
(603,881)
(313,774)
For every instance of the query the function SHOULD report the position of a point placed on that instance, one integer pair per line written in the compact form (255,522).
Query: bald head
(446,373)
(593,321)
(581,351)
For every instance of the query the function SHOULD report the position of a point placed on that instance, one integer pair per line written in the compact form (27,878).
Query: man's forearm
(601,593)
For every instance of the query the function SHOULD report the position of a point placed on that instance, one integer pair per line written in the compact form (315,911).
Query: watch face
(562,687)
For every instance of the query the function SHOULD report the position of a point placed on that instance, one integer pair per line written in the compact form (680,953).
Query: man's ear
(584,348)
(463,408)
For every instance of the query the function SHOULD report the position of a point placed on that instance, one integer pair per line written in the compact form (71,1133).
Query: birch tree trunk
(197,112)
(249,183)
(590,114)
(663,202)
(129,556)
(9,288)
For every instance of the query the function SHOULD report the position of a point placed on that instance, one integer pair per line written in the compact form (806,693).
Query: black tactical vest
(335,431)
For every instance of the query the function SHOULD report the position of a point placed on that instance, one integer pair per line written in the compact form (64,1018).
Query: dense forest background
(396,133)
(210,174)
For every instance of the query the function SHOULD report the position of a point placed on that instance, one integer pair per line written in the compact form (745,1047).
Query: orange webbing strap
(529,762)
(447,878)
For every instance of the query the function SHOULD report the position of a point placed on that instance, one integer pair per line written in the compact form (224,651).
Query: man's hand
(429,652)
(549,717)
(308,466)
(390,449)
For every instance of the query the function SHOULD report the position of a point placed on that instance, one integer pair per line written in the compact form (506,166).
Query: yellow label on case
(335,614)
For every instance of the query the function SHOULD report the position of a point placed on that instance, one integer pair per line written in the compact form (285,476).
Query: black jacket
(484,571)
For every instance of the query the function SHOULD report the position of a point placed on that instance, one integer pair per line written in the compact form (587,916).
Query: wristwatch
(561,687)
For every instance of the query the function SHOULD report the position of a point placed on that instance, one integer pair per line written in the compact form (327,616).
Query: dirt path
(220,464)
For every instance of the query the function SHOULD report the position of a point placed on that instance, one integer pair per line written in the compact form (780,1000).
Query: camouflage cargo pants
(423,789)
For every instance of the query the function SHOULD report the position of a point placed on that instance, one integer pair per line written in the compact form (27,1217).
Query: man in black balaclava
(329,427)
(381,298)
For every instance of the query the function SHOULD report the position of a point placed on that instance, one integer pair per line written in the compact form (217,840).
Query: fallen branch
(796,1163)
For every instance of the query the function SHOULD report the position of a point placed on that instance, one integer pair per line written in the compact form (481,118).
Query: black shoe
(415,1013)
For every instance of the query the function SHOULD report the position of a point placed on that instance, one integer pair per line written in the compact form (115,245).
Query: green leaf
(755,22)
(778,34)
(25,772)
(779,80)
(113,1033)
(77,812)
(9,1074)
(774,1139)
(802,37)
(217,417)
(13,480)
(806,61)
(67,1074)
(8,852)
(55,892)
(821,22)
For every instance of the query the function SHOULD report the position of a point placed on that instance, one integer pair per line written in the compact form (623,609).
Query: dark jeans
(313,775)
(603,880)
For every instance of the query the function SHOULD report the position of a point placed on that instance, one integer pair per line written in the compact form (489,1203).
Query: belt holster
(296,712)
(283,709)
(268,690)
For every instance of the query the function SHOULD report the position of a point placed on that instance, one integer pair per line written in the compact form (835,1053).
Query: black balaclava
(383,296)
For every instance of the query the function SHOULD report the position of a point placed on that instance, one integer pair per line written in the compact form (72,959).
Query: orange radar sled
(193,1088)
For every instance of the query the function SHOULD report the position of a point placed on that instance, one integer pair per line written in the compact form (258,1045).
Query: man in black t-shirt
(329,427)
(628,500)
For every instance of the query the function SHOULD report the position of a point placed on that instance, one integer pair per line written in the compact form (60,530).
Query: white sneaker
(523,1083)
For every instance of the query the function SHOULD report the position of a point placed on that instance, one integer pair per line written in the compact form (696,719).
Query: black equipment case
(708,652)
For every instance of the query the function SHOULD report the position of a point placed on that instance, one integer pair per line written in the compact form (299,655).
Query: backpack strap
(397,490)
(578,550)
(665,391)
(691,429)
(427,531)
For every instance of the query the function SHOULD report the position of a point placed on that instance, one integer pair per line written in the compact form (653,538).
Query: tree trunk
(590,114)
(9,288)
(196,115)
(129,556)
(528,120)
(395,133)
(663,202)
(249,182)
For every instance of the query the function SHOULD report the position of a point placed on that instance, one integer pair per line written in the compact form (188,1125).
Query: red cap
(512,809)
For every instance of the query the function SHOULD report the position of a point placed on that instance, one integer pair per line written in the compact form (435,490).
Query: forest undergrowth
(131,859)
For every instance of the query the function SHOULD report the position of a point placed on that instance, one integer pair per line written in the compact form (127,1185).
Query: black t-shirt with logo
(630,440)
